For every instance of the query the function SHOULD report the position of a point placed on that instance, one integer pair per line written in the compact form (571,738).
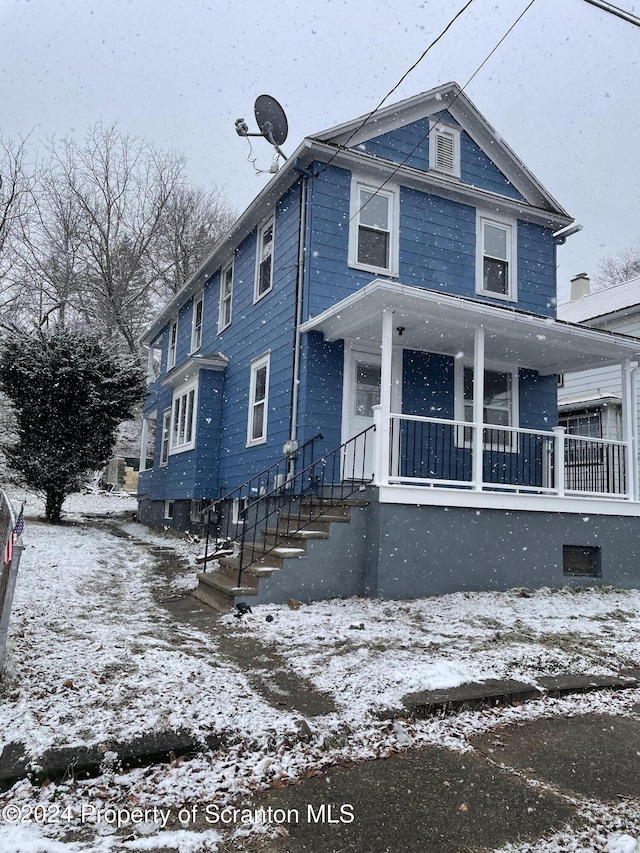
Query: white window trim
(177,394)
(165,435)
(438,127)
(197,300)
(172,347)
(256,365)
(511,225)
(221,324)
(168,510)
(392,192)
(458,402)
(271,221)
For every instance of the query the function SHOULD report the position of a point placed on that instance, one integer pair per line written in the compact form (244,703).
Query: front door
(362,393)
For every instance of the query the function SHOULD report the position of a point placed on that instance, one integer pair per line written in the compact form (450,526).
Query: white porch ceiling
(437,322)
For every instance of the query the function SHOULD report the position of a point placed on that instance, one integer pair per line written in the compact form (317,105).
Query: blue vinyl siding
(437,249)
(320,411)
(409,145)
(255,330)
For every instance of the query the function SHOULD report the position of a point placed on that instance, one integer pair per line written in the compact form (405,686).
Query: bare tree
(15,206)
(623,266)
(118,188)
(100,233)
(194,221)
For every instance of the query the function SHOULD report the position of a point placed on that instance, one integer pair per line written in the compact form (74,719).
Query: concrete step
(335,516)
(283,552)
(219,591)
(292,539)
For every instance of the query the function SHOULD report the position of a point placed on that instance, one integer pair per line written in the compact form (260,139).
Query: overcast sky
(563,90)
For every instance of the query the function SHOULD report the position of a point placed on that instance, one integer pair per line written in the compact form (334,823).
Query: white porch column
(627,429)
(143,444)
(383,437)
(558,467)
(478,408)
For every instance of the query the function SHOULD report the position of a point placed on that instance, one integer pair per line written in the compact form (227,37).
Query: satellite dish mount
(271,120)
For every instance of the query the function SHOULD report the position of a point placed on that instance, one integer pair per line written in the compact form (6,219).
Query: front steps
(218,588)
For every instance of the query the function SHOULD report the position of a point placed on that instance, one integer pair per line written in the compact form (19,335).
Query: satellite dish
(271,119)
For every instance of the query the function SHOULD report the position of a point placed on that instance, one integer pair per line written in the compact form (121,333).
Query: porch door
(362,393)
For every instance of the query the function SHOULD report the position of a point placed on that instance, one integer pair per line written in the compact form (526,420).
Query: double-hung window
(258,401)
(183,419)
(264,260)
(166,433)
(196,323)
(226,296)
(496,273)
(374,227)
(173,344)
(499,406)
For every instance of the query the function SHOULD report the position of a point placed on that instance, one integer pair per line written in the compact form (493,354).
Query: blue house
(359,385)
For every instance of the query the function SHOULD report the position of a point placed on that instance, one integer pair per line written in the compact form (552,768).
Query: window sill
(257,298)
(256,442)
(182,448)
(503,297)
(376,270)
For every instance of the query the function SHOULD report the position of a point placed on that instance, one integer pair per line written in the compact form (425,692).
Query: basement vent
(581,561)
(444,150)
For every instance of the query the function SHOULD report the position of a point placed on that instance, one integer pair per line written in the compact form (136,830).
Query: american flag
(14,534)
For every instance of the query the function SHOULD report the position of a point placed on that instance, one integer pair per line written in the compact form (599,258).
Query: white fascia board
(222,252)
(391,117)
(349,316)
(190,368)
(369,165)
(452,99)
(467,498)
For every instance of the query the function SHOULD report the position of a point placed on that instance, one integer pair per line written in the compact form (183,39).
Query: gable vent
(444,150)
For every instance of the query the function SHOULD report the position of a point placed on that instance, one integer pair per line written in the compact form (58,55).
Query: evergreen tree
(69,393)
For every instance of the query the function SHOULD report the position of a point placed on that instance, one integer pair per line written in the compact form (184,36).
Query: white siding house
(590,401)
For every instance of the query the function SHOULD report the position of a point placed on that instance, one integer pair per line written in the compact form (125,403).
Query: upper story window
(496,257)
(226,297)
(196,323)
(444,149)
(374,228)
(264,260)
(183,419)
(173,344)
(258,401)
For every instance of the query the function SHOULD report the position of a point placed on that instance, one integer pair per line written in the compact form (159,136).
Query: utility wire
(370,115)
(615,10)
(426,135)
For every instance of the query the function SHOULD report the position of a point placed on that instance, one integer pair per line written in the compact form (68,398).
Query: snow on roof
(590,398)
(602,302)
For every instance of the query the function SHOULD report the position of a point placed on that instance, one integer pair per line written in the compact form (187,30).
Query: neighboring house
(391,293)
(590,402)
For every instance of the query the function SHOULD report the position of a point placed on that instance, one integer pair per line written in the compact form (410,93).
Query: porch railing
(441,452)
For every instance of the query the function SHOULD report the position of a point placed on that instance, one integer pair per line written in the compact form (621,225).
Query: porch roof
(438,322)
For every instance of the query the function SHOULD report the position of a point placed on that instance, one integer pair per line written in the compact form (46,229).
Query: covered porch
(478,449)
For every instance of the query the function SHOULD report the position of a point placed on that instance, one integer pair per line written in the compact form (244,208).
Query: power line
(615,10)
(426,135)
(370,115)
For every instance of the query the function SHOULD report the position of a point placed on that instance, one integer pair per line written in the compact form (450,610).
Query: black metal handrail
(304,498)
(300,496)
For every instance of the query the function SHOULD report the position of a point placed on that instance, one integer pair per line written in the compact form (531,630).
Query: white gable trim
(451,98)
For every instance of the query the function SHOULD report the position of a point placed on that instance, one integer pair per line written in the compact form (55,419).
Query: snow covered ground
(94,658)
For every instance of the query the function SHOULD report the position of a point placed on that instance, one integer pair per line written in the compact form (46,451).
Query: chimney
(580,286)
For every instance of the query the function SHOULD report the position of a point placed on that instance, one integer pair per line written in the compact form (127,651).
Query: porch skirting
(399,551)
